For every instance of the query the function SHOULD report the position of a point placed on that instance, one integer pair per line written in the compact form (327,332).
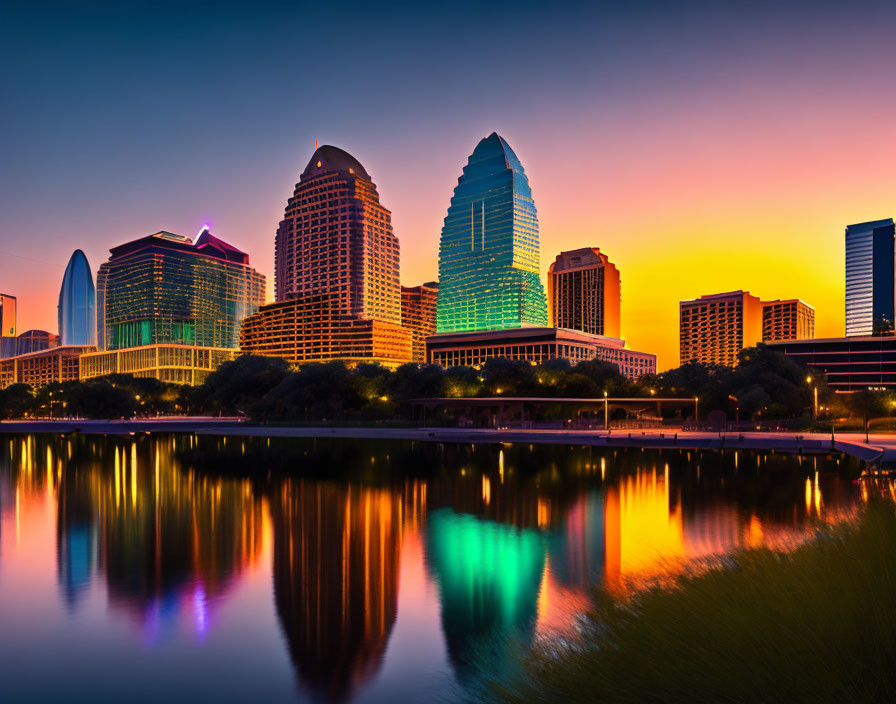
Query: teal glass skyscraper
(489,255)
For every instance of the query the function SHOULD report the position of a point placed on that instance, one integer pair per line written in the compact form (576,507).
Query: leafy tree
(239,384)
(16,401)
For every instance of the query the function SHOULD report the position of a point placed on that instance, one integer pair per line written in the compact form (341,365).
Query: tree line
(766,385)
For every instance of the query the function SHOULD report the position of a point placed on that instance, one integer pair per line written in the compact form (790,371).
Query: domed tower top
(328,159)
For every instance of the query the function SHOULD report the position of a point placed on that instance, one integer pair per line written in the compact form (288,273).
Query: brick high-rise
(336,264)
(584,292)
(336,240)
(714,329)
(787,320)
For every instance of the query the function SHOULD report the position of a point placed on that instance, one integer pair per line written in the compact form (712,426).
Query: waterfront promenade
(880,448)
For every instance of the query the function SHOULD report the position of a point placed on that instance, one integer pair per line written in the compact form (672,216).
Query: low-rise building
(787,320)
(314,329)
(35,341)
(43,367)
(176,364)
(851,363)
(536,345)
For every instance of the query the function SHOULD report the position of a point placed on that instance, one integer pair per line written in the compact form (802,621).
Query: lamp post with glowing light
(814,399)
(696,415)
(606,412)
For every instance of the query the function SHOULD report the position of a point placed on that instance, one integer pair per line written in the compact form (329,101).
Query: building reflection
(336,564)
(167,542)
(514,538)
(77,537)
(489,577)
(173,540)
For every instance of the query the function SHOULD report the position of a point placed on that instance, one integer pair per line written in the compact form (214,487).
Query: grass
(814,625)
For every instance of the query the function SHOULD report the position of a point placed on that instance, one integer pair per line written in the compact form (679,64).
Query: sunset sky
(704,146)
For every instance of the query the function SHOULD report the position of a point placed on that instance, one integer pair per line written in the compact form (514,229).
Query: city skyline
(742,170)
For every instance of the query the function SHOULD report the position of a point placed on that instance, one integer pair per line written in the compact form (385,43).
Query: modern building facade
(489,260)
(7,325)
(175,364)
(166,289)
(337,273)
(35,341)
(418,315)
(316,329)
(77,303)
(714,329)
(850,363)
(793,319)
(584,292)
(870,279)
(536,345)
(40,368)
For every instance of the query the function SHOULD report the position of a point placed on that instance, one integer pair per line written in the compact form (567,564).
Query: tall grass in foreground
(814,625)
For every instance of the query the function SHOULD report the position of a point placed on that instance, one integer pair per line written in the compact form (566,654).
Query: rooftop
(329,159)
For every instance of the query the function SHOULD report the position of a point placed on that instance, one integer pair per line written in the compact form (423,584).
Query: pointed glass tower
(77,303)
(489,254)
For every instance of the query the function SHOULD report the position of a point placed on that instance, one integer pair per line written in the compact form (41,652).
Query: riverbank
(879,448)
(815,624)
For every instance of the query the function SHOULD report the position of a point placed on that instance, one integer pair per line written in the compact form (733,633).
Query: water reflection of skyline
(514,539)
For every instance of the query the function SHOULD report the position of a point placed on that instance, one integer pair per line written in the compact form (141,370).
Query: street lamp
(606,412)
(696,415)
(814,400)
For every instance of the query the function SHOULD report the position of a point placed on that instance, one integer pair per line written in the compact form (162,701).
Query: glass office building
(166,289)
(489,259)
(77,303)
(870,278)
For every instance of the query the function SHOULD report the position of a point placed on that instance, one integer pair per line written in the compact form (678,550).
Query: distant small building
(787,320)
(7,325)
(714,329)
(584,292)
(418,315)
(870,278)
(35,341)
(536,345)
(58,364)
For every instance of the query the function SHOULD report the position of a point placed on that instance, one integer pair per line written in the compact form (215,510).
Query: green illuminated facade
(489,259)
(167,289)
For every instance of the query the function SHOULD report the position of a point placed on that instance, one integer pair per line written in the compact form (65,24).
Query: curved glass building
(489,254)
(77,303)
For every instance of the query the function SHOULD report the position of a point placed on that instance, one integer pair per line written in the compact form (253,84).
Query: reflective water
(180,568)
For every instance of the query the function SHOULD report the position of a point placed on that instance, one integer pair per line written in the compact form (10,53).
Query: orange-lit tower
(714,329)
(418,315)
(787,320)
(584,292)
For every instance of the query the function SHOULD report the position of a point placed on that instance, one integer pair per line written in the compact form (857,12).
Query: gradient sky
(704,146)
